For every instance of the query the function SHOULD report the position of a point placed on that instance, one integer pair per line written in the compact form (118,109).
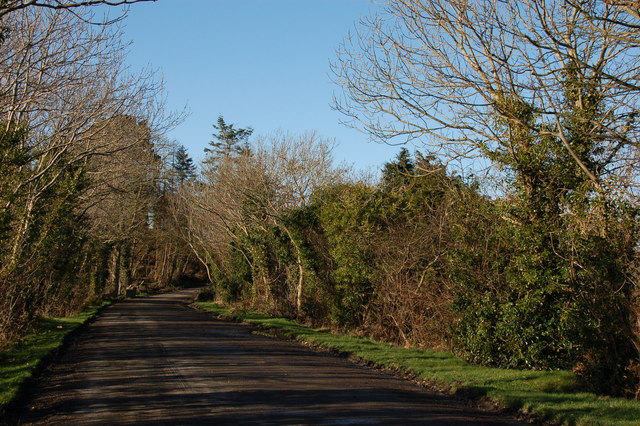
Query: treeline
(84,171)
(419,257)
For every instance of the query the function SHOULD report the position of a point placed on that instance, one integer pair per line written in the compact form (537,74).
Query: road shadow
(154,361)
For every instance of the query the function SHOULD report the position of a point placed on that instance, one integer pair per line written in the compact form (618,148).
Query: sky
(263,64)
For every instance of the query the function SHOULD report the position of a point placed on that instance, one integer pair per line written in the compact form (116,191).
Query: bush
(206,295)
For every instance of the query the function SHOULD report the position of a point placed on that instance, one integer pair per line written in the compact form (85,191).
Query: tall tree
(546,90)
(183,165)
(227,141)
(63,88)
(424,69)
(121,192)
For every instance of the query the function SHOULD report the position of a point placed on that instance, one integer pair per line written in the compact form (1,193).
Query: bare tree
(296,167)
(63,79)
(257,189)
(462,75)
(121,184)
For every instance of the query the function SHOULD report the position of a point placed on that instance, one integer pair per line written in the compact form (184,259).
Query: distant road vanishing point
(151,361)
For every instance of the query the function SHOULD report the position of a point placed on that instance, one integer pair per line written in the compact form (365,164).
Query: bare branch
(9,6)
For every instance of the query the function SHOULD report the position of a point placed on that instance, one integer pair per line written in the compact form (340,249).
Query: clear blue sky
(259,63)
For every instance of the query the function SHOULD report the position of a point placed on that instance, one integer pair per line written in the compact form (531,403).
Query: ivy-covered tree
(547,92)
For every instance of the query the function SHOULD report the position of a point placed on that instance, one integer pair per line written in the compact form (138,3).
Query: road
(151,361)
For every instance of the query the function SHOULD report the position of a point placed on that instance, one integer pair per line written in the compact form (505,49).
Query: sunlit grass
(18,362)
(553,395)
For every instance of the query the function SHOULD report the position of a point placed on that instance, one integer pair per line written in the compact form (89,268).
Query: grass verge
(28,356)
(548,395)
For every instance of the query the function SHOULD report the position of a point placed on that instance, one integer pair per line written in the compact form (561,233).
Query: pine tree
(183,165)
(227,141)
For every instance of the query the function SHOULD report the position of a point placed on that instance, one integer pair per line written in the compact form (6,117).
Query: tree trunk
(114,270)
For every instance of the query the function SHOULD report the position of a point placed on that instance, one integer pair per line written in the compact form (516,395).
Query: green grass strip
(19,362)
(549,394)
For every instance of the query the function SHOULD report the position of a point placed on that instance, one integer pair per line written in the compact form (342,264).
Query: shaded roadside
(24,360)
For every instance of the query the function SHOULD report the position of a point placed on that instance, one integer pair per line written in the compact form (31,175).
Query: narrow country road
(154,361)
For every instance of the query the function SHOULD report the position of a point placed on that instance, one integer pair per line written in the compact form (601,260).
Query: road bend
(150,361)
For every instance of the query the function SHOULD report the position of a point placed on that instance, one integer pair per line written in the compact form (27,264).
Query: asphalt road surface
(153,361)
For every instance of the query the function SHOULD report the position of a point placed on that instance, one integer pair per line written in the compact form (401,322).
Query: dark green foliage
(234,285)
(543,300)
(205,295)
(554,292)
(42,244)
(399,172)
(183,165)
(14,160)
(228,141)
(342,246)
(99,269)
(349,220)
(310,242)
(53,258)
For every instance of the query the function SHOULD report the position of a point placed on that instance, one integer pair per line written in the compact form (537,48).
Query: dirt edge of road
(470,397)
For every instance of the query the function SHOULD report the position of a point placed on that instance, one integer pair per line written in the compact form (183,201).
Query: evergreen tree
(397,173)
(227,141)
(183,165)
